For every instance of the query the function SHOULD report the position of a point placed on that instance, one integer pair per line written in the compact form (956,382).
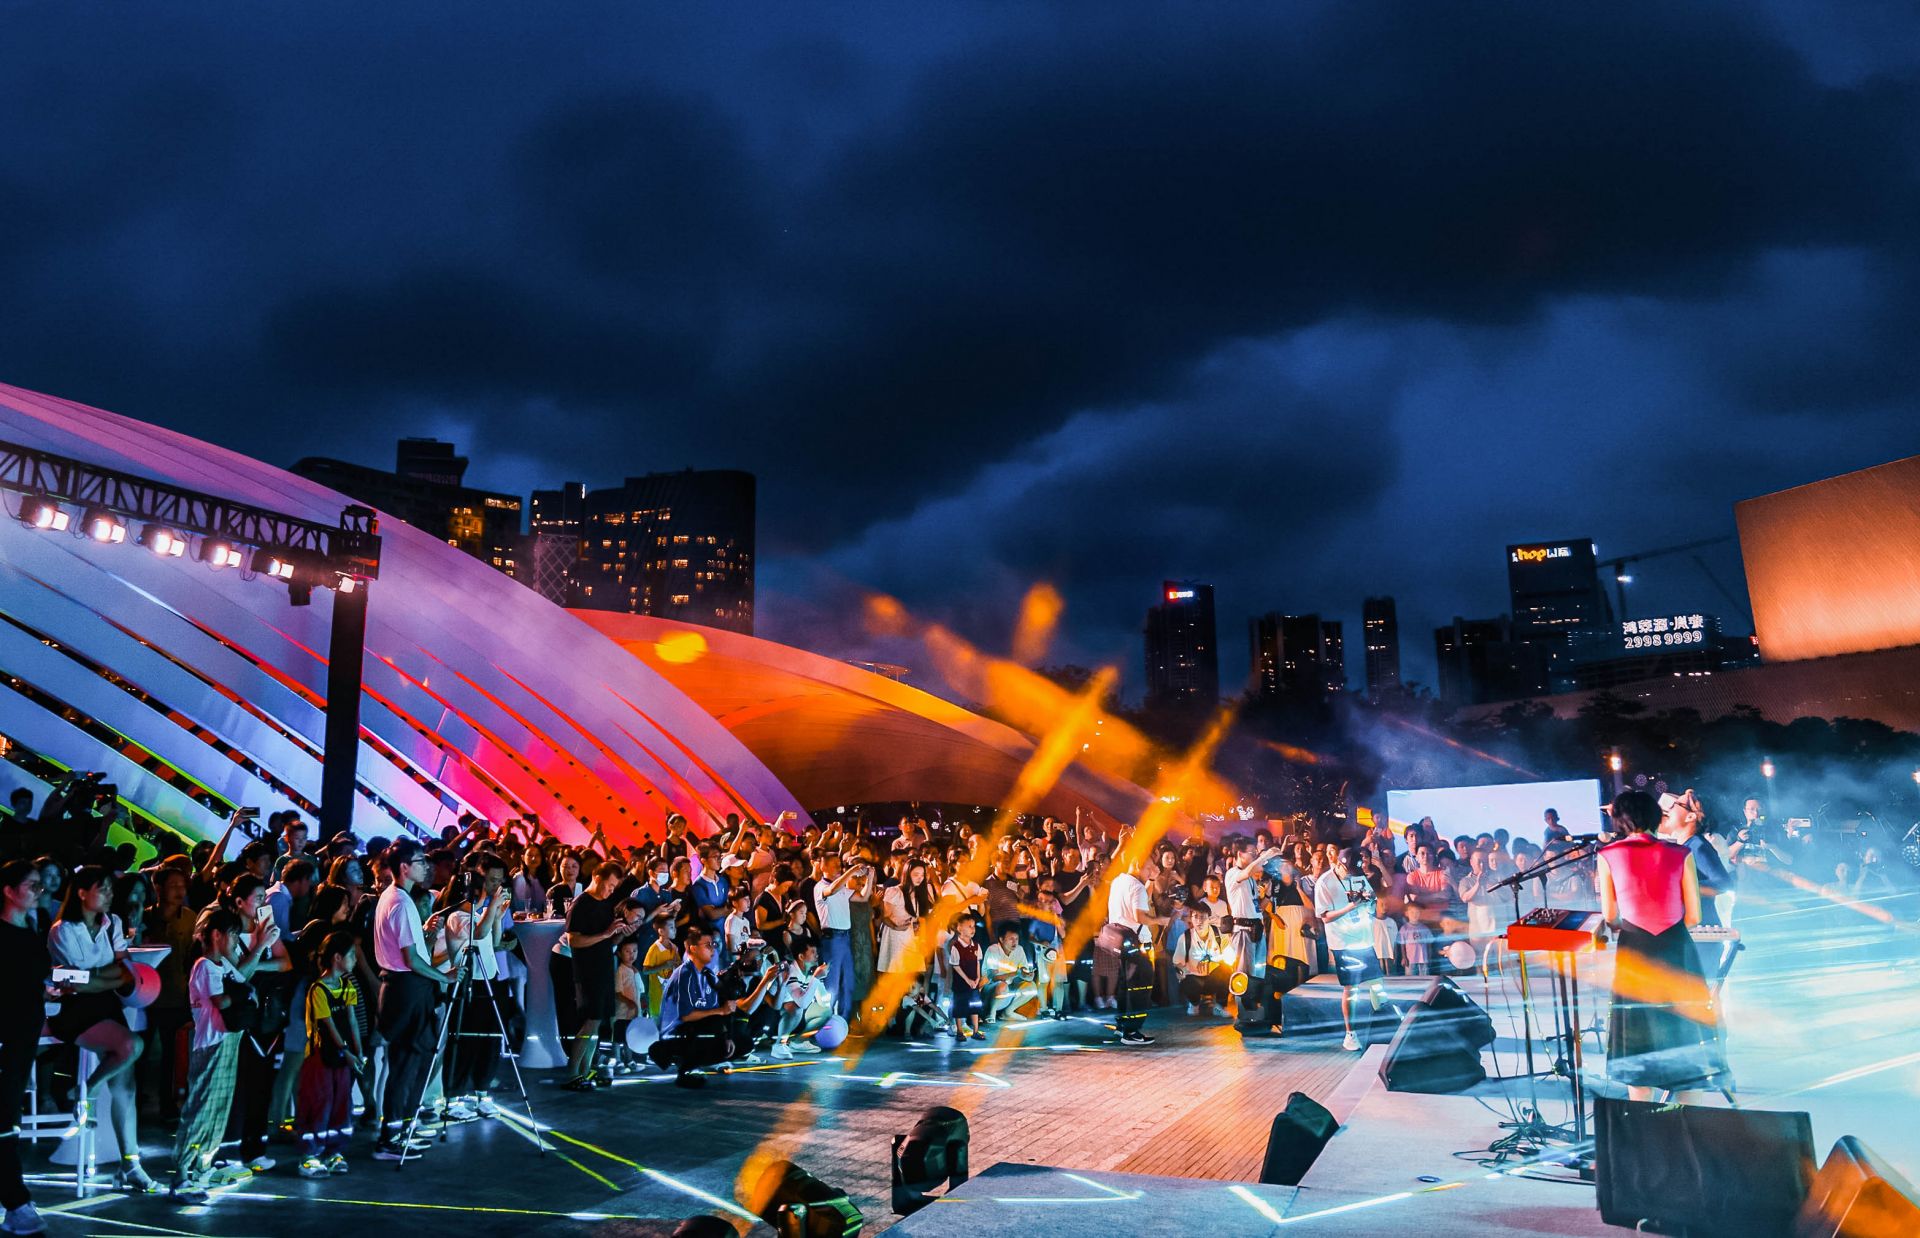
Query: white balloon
(1462,956)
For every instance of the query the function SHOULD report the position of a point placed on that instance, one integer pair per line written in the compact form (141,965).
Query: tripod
(461,994)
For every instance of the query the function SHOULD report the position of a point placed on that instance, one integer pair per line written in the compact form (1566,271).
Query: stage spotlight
(347,584)
(163,541)
(103,526)
(706,1225)
(1238,984)
(798,1205)
(43,513)
(932,1153)
(273,565)
(217,554)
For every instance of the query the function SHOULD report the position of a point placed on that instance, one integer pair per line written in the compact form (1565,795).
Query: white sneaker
(1193,1008)
(23,1220)
(804,1046)
(313,1167)
(486,1108)
(461,1111)
(781,1050)
(1351,1044)
(261,1164)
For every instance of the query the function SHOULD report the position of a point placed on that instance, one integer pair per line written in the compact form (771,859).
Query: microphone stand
(1533,1129)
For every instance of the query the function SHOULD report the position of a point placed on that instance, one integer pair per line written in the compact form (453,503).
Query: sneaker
(388,1150)
(1135,1038)
(313,1167)
(804,1046)
(1351,1044)
(599,1080)
(336,1164)
(261,1164)
(227,1173)
(461,1111)
(582,1084)
(687,1079)
(1192,1009)
(781,1050)
(487,1109)
(182,1193)
(26,1220)
(750,1059)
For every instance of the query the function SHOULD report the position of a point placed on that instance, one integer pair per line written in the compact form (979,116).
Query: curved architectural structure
(195,689)
(837,734)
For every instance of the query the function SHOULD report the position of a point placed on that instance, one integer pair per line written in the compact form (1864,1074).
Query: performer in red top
(1663,1033)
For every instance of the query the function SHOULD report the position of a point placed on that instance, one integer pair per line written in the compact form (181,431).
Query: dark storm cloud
(959,280)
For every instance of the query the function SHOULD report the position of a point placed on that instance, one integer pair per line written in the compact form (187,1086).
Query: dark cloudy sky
(1309,301)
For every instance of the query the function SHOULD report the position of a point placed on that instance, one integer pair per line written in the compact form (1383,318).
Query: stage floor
(1821,1009)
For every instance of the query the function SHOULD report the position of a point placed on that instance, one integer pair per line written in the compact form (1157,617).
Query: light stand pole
(346,659)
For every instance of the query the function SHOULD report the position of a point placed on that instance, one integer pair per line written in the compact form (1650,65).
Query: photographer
(409,986)
(1345,902)
(78,815)
(694,1020)
(478,918)
(745,982)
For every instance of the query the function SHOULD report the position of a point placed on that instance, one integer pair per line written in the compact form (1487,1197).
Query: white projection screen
(1516,807)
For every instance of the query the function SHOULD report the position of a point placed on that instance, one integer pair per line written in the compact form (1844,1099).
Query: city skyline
(1253,331)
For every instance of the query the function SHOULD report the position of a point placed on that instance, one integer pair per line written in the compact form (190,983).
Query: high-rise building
(1296,656)
(1263,652)
(674,545)
(1556,596)
(1333,656)
(1183,653)
(1382,630)
(425,489)
(1480,661)
(553,540)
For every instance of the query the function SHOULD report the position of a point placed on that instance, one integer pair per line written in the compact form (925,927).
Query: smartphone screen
(71,975)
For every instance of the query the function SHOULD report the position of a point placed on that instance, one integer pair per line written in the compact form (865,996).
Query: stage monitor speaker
(1671,1169)
(1857,1195)
(1299,1132)
(1437,1047)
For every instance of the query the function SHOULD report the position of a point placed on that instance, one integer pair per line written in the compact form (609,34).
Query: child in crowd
(626,1002)
(963,957)
(661,958)
(221,1001)
(323,1109)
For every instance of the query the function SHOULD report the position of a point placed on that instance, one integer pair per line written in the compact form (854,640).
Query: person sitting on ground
(1009,973)
(693,1016)
(1199,963)
(805,1001)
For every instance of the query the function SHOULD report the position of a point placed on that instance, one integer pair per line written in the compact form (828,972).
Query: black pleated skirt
(1664,1031)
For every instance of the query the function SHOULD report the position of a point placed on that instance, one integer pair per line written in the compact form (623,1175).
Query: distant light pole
(1766,772)
(1617,765)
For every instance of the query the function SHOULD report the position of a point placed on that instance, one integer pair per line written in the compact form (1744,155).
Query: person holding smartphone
(25,967)
(409,986)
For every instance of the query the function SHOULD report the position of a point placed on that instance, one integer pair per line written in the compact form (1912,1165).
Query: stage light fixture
(218,554)
(39,512)
(798,1205)
(347,584)
(273,564)
(163,541)
(932,1154)
(1238,984)
(103,526)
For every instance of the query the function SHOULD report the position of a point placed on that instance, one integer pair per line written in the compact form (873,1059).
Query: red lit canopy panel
(837,734)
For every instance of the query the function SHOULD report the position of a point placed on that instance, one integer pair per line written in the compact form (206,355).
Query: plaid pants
(203,1119)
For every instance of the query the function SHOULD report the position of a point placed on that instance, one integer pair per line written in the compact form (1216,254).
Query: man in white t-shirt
(833,895)
(1246,927)
(409,986)
(1127,935)
(1344,901)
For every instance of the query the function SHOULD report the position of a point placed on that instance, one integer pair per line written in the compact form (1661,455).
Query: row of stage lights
(102,525)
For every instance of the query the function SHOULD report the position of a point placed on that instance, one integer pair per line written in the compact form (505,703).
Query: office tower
(425,490)
(1333,656)
(1263,641)
(553,540)
(1183,655)
(1481,661)
(1381,627)
(1556,597)
(674,545)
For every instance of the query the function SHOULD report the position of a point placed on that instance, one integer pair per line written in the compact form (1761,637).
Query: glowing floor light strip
(1258,1204)
(686,1188)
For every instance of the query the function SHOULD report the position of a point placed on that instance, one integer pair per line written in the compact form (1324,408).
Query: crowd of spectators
(306,981)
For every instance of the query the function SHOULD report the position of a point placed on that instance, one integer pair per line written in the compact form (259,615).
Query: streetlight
(1616,764)
(1766,772)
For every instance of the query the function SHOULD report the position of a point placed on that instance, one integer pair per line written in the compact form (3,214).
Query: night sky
(1308,301)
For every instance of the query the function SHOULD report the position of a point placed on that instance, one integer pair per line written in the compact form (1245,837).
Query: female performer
(1663,1032)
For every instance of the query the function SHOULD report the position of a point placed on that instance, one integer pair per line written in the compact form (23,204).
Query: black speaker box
(1689,1169)
(1299,1132)
(1437,1047)
(1855,1195)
